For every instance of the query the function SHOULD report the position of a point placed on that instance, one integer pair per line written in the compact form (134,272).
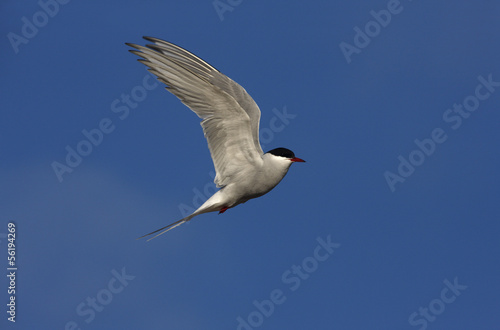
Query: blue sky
(392,223)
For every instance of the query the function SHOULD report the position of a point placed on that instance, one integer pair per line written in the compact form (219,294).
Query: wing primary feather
(230,116)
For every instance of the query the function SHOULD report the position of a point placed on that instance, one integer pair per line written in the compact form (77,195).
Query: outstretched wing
(230,116)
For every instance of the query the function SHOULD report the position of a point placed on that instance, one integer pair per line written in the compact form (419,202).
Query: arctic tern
(230,122)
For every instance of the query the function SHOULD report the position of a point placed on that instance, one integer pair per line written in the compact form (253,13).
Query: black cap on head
(282,152)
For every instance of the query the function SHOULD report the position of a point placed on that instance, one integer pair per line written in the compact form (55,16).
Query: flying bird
(230,122)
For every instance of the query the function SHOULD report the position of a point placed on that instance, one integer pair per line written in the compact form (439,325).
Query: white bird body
(230,124)
(253,184)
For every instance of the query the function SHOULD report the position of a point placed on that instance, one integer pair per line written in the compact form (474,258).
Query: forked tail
(167,228)
(213,204)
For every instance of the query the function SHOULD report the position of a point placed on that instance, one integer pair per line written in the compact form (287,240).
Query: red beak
(297,160)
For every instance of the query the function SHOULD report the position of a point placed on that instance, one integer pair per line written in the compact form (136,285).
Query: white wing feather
(230,116)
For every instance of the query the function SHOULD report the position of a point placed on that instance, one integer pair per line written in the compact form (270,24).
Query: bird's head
(285,154)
